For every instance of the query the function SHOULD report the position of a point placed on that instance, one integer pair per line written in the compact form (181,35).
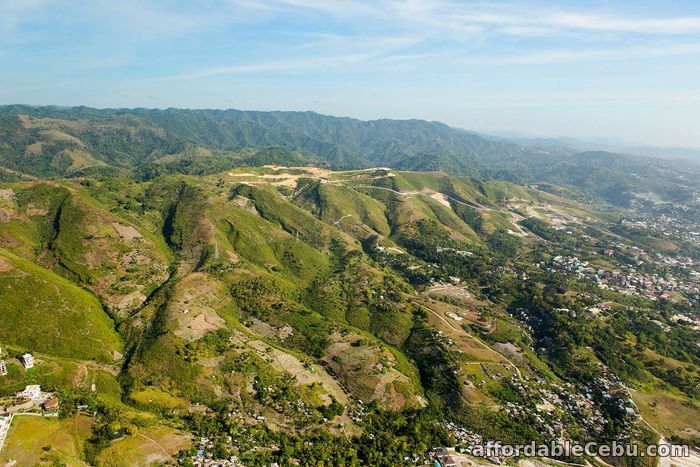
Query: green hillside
(345,208)
(46,313)
(65,229)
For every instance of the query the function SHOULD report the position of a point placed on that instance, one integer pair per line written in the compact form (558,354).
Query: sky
(628,70)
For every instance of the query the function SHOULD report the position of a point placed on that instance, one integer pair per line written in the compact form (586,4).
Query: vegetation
(335,318)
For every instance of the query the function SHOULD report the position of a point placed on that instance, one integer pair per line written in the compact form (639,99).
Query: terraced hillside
(266,307)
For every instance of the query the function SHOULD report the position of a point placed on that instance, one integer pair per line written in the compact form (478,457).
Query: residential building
(27,360)
(51,404)
(32,391)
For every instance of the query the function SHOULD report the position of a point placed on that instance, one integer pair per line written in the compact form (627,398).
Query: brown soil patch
(61,136)
(233,257)
(199,325)
(245,203)
(441,198)
(8,241)
(124,302)
(125,263)
(127,232)
(269,331)
(194,306)
(369,373)
(5,265)
(510,350)
(456,294)
(36,211)
(283,175)
(469,345)
(48,123)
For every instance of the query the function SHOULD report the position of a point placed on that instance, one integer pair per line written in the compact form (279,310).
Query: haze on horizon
(586,69)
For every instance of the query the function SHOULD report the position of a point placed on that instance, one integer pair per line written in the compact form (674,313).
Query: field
(150,446)
(156,397)
(471,347)
(669,413)
(45,441)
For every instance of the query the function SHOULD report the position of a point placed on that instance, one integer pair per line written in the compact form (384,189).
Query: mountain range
(48,142)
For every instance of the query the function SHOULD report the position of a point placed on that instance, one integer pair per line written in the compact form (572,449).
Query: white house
(27,360)
(32,391)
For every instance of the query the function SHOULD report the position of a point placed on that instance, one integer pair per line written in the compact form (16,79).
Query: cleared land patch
(193,307)
(151,446)
(369,372)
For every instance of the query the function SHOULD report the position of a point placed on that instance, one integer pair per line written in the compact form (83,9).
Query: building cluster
(442,457)
(27,361)
(667,220)
(693,321)
(30,401)
(204,457)
(465,441)
(32,398)
(549,402)
(207,454)
(626,279)
(357,412)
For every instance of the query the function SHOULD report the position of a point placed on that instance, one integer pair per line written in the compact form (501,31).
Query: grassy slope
(263,244)
(152,445)
(44,312)
(291,218)
(345,208)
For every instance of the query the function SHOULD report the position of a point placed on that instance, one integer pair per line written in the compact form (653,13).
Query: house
(443,458)
(27,360)
(447,461)
(3,368)
(51,404)
(32,391)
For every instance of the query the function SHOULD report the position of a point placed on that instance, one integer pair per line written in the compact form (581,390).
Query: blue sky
(591,69)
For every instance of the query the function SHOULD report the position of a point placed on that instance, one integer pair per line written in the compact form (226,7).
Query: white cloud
(442,19)
(618,53)
(678,25)
(378,32)
(342,7)
(283,65)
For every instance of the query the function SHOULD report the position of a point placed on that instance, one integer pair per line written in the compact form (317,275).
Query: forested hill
(60,142)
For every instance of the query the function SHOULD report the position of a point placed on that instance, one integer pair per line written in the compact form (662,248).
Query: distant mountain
(603,144)
(692,154)
(143,143)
